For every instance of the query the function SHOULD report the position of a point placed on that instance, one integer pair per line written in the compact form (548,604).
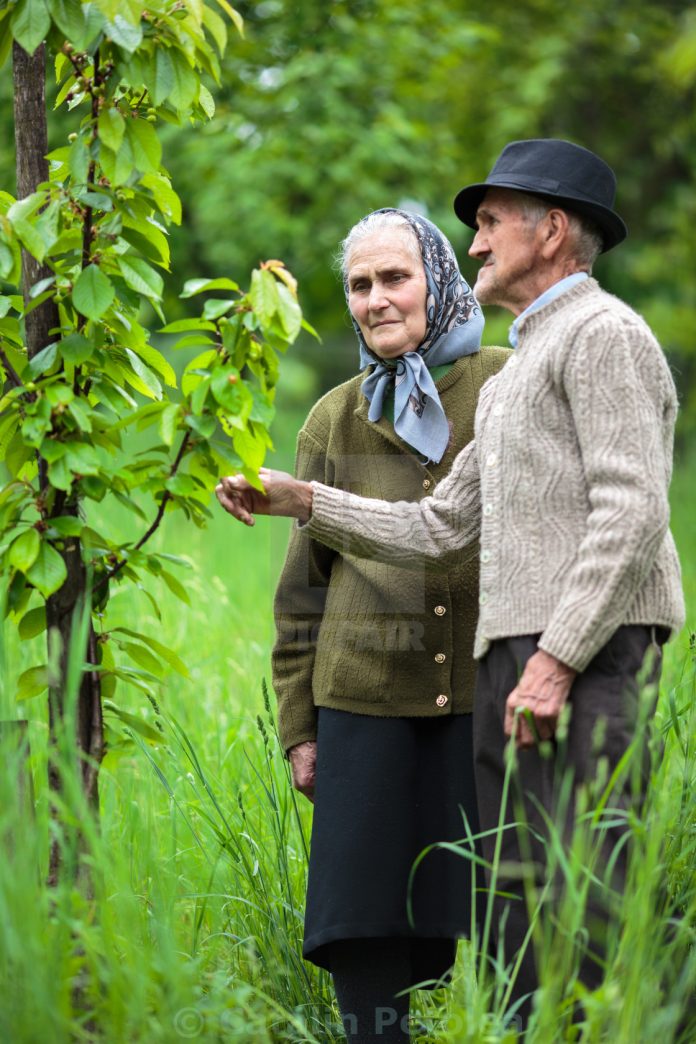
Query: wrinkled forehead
(500,200)
(385,248)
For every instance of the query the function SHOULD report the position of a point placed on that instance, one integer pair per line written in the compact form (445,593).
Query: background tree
(87,241)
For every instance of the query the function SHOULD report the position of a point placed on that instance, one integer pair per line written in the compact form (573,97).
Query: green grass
(194,930)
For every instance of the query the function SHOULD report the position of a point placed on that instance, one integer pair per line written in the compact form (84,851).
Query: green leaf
(82,458)
(67,525)
(111,127)
(206,101)
(164,76)
(48,572)
(168,423)
(216,27)
(147,239)
(92,293)
(124,33)
(68,16)
(81,414)
(263,295)
(185,82)
(52,449)
(145,374)
(199,395)
(7,260)
(24,550)
(164,195)
(188,324)
(214,308)
(31,24)
(175,587)
(32,682)
(117,166)
(204,425)
(30,237)
(75,349)
(145,145)
(79,161)
(143,657)
(250,448)
(43,360)
(59,474)
(134,722)
(289,312)
(234,15)
(139,276)
(163,651)
(198,286)
(231,392)
(32,623)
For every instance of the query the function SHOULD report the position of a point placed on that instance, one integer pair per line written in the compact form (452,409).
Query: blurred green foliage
(331,108)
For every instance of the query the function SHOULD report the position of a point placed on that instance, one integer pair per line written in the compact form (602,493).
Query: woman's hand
(283,495)
(303,762)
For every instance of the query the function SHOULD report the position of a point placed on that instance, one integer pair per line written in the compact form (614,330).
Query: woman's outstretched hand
(283,495)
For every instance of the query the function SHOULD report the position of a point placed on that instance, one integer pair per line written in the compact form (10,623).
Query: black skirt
(386,788)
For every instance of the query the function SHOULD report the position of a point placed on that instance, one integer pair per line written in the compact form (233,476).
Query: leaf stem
(11,372)
(157,519)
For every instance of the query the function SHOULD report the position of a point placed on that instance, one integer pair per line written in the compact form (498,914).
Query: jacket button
(440,610)
(427,483)
(440,657)
(441,700)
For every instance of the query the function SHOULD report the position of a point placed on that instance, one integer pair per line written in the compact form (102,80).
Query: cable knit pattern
(566,482)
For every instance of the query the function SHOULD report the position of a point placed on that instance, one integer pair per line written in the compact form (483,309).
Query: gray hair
(587,241)
(367,226)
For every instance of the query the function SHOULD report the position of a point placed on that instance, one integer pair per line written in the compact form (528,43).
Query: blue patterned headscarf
(454,325)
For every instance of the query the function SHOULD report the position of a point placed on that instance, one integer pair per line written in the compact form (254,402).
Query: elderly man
(565,485)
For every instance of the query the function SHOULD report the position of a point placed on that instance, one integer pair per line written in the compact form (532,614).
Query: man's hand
(303,762)
(541,692)
(283,495)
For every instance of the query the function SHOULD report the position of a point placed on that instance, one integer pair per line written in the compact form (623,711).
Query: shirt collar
(543,299)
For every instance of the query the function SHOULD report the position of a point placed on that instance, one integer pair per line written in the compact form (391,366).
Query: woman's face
(386,293)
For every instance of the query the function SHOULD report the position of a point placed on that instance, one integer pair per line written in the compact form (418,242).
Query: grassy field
(194,931)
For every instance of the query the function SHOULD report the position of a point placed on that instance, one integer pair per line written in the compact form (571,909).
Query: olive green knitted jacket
(365,636)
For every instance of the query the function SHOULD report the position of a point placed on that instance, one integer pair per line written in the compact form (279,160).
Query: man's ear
(554,232)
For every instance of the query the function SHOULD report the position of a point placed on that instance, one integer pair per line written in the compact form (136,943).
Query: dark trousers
(552,783)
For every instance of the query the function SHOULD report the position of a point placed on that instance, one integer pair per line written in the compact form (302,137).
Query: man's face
(508,245)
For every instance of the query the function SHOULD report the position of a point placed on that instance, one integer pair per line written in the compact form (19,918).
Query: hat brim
(612,227)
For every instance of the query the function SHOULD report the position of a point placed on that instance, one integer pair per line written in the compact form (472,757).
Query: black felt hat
(558,171)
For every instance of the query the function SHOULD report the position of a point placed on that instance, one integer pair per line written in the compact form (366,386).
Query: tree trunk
(62,608)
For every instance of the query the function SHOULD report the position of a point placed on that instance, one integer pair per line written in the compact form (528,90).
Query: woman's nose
(377,298)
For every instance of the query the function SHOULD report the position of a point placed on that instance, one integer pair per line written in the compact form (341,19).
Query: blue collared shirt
(543,299)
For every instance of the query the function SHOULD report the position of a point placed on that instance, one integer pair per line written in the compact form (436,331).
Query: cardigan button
(441,700)
(427,483)
(440,610)
(440,657)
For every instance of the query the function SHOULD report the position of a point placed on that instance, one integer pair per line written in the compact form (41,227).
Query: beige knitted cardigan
(565,482)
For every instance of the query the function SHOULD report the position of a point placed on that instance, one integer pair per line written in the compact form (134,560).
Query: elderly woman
(373,665)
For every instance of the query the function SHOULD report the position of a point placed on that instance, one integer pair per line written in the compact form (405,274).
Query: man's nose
(477,247)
